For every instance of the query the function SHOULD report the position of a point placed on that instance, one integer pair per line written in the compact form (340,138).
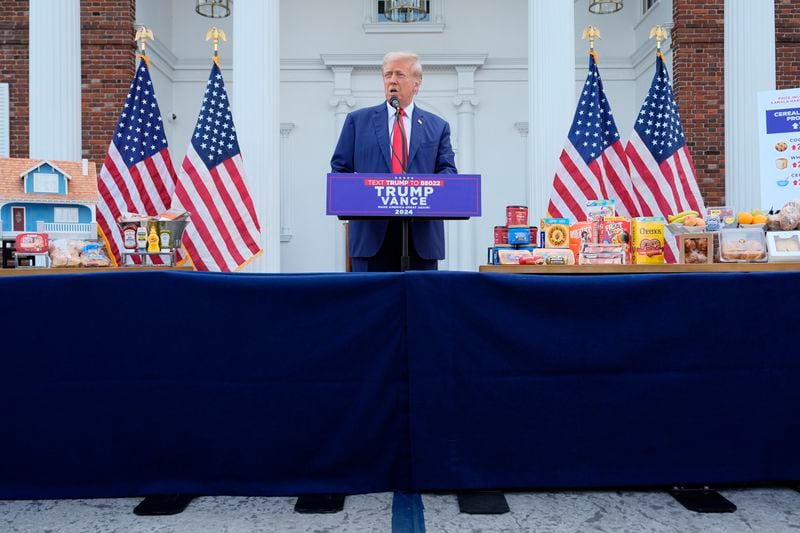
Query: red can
(500,235)
(516,215)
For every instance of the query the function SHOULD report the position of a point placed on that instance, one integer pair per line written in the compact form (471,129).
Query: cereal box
(579,233)
(648,240)
(617,230)
(556,232)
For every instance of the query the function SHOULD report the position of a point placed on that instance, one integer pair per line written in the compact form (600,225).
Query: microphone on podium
(395,103)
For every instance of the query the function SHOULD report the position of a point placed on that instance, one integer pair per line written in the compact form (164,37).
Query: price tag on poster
(779,146)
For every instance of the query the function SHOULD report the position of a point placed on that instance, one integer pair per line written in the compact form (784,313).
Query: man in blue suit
(366,145)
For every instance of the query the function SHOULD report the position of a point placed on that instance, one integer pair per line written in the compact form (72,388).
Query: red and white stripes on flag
(661,166)
(137,175)
(592,164)
(223,231)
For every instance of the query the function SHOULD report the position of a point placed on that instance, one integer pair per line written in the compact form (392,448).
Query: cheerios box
(556,232)
(647,244)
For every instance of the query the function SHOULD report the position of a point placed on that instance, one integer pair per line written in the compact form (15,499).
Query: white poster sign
(779,142)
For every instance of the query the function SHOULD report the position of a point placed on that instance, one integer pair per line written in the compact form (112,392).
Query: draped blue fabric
(136,383)
(588,381)
(123,384)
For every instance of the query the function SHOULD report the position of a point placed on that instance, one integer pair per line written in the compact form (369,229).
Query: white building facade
(504,74)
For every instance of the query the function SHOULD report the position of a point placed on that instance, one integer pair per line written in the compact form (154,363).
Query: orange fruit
(746,218)
(691,220)
(759,219)
(699,222)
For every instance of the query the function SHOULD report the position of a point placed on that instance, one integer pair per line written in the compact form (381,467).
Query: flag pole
(216,34)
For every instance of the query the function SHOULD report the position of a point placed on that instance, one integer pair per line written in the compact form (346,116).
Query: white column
(286,218)
(54,78)
(256,89)
(749,68)
(522,128)
(463,231)
(551,94)
(343,102)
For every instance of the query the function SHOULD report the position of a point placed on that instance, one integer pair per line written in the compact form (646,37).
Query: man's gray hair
(416,66)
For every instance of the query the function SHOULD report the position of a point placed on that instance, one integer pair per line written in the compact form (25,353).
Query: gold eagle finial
(142,35)
(592,33)
(660,33)
(216,34)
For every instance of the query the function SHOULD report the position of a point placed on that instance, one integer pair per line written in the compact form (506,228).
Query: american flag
(137,174)
(661,166)
(223,232)
(592,164)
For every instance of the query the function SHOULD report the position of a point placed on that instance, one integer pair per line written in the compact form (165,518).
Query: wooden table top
(31,271)
(640,269)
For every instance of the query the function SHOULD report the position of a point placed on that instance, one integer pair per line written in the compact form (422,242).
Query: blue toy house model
(53,197)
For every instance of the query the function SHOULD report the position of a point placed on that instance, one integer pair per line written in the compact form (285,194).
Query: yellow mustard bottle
(152,241)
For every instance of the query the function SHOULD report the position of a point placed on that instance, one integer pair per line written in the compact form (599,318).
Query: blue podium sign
(404,196)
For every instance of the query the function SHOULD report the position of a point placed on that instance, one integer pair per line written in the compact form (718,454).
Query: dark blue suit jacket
(364,147)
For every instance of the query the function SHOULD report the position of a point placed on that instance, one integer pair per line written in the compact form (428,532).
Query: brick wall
(787,41)
(698,82)
(14,71)
(107,65)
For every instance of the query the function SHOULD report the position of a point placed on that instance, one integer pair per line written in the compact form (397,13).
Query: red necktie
(399,146)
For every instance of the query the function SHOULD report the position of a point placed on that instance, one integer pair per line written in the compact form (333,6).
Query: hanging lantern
(405,10)
(215,9)
(604,7)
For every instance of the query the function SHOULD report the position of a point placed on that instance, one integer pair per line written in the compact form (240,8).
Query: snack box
(617,230)
(742,246)
(580,233)
(494,258)
(556,232)
(783,246)
(600,208)
(647,243)
(725,214)
(696,248)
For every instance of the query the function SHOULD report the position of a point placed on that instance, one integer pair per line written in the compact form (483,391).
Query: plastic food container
(552,256)
(742,246)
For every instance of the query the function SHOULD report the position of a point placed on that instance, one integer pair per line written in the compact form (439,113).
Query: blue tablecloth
(135,383)
(588,381)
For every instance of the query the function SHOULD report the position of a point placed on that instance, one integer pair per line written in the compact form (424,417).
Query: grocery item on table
(783,246)
(742,246)
(647,246)
(696,248)
(555,231)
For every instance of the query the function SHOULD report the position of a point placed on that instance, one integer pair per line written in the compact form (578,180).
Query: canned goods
(519,236)
(516,215)
(500,235)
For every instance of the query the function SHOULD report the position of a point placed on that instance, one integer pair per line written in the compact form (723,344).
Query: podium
(405,197)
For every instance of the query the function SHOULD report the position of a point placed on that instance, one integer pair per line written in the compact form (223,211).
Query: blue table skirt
(295,384)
